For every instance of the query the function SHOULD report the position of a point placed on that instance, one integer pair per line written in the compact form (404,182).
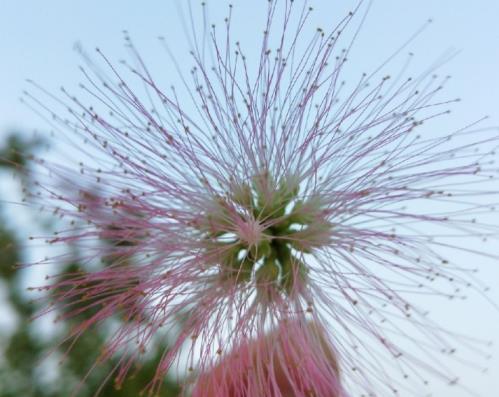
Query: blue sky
(37,40)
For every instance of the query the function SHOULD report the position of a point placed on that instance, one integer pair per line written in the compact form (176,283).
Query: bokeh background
(36,42)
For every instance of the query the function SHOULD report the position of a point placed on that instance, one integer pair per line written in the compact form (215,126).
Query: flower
(279,196)
(276,362)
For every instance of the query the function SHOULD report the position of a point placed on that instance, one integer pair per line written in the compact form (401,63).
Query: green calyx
(290,227)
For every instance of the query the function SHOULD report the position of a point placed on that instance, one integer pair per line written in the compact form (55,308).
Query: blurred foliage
(15,152)
(29,365)
(9,253)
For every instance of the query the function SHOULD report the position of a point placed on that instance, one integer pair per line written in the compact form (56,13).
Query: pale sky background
(37,39)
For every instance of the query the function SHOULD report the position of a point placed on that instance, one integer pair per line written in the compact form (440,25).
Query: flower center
(260,232)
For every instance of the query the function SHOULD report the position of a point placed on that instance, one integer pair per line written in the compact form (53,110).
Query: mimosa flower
(270,193)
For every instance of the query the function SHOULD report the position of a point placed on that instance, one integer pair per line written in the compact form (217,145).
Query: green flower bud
(261,250)
(293,271)
(242,195)
(268,273)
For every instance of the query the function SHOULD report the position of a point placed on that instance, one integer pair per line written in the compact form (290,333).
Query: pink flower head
(265,197)
(274,364)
